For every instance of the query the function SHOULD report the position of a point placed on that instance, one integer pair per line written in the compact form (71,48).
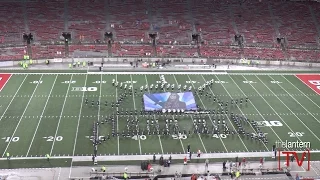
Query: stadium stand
(216,22)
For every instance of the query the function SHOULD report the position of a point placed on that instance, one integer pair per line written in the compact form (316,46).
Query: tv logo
(299,161)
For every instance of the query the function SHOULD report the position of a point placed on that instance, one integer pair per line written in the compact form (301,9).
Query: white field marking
(99,107)
(6,82)
(77,131)
(272,108)
(255,108)
(191,118)
(179,127)
(64,103)
(118,138)
(301,92)
(13,97)
(134,106)
(225,115)
(112,95)
(297,101)
(236,105)
(290,109)
(154,116)
(45,106)
(25,109)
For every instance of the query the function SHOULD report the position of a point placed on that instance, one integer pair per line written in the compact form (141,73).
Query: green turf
(65,121)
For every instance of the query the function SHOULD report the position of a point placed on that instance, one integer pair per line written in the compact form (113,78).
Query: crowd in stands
(217,22)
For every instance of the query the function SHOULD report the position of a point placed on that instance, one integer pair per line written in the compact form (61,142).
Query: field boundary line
(191,118)
(134,106)
(45,106)
(13,97)
(147,157)
(25,109)
(237,107)
(301,91)
(62,110)
(154,116)
(290,110)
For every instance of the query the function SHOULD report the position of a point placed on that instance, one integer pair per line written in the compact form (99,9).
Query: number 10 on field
(11,139)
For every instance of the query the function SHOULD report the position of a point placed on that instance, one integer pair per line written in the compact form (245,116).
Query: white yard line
(134,106)
(99,107)
(13,97)
(191,118)
(236,105)
(25,110)
(210,117)
(60,117)
(184,151)
(255,108)
(301,92)
(290,109)
(154,116)
(41,116)
(118,138)
(77,131)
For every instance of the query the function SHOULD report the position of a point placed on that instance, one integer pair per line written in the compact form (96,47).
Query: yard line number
(249,82)
(269,123)
(295,134)
(141,137)
(220,136)
(12,139)
(90,89)
(275,82)
(98,82)
(52,138)
(179,136)
(36,82)
(69,82)
(129,82)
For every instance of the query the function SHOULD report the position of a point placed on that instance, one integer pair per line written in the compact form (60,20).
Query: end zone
(311,80)
(4,78)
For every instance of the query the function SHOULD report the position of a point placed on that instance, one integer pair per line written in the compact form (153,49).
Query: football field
(46,113)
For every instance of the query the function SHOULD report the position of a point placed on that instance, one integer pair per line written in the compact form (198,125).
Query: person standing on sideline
(8,156)
(261,161)
(190,154)
(199,153)
(48,157)
(207,164)
(244,162)
(188,148)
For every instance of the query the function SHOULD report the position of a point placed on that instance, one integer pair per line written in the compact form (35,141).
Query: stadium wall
(183,61)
